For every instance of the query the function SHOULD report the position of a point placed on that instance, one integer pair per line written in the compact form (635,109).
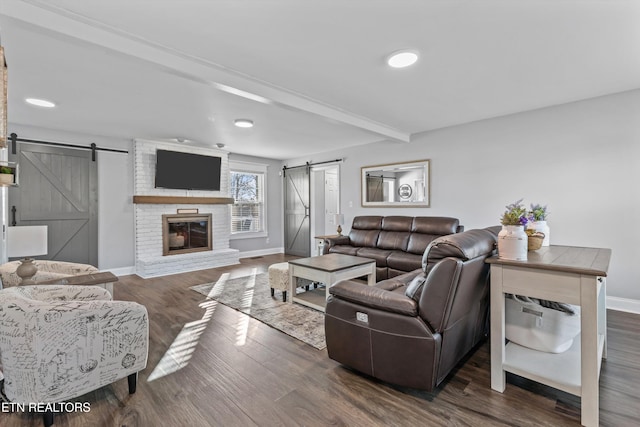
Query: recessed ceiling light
(40,102)
(402,58)
(243,123)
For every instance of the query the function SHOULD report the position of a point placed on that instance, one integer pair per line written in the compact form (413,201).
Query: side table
(568,274)
(321,242)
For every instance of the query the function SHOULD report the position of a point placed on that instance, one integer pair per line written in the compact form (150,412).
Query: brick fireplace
(152,204)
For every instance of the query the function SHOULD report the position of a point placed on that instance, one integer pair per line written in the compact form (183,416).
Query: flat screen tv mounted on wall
(187,171)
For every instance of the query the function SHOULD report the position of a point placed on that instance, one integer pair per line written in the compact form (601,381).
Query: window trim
(250,167)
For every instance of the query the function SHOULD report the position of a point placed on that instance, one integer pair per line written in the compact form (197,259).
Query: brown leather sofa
(395,242)
(412,329)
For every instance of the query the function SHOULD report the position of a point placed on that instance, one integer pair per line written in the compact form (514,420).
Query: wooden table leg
(589,351)
(498,376)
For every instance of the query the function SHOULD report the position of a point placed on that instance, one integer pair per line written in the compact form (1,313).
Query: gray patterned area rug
(251,295)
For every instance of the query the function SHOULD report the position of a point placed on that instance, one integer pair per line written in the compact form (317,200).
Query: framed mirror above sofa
(396,184)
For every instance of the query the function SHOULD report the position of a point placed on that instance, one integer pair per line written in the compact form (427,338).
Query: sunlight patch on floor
(181,349)
(243,319)
(218,288)
(242,329)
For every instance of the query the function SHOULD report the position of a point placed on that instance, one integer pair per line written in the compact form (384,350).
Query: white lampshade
(338,219)
(27,241)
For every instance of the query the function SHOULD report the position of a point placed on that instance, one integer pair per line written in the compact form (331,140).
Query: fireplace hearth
(186,233)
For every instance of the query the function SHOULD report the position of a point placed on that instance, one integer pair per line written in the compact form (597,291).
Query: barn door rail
(13,138)
(307,165)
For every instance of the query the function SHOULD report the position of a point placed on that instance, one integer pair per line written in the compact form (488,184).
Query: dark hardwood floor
(210,365)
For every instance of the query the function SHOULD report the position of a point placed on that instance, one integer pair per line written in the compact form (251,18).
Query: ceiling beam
(176,62)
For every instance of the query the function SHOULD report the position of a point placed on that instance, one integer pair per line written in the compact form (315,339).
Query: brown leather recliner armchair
(412,329)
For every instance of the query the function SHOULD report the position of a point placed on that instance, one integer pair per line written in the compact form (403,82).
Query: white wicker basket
(531,325)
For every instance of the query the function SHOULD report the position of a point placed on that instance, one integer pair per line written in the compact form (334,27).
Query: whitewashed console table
(566,274)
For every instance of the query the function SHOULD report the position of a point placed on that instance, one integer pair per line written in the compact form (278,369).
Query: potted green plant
(6,175)
(512,239)
(516,214)
(537,217)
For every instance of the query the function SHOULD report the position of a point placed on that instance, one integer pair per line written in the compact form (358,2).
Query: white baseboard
(261,252)
(121,271)
(623,304)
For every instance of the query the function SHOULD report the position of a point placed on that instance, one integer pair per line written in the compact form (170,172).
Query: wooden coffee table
(327,269)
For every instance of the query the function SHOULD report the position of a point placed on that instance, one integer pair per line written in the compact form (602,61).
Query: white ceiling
(311,74)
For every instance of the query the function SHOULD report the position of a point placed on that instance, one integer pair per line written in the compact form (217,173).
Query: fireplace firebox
(186,233)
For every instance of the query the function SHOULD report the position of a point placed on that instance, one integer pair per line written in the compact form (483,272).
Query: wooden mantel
(182,200)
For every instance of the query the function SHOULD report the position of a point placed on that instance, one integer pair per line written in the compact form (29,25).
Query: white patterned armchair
(48,270)
(60,342)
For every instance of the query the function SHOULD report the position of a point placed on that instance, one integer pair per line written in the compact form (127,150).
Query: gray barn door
(297,237)
(58,187)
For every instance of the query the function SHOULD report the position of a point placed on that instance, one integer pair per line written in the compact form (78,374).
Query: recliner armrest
(333,241)
(340,240)
(374,297)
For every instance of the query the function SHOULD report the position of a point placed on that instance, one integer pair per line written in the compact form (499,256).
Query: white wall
(116,231)
(582,159)
(115,194)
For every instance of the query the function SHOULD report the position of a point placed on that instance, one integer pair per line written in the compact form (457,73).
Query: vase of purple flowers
(537,220)
(512,239)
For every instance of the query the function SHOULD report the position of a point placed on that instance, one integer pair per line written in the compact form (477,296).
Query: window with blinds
(247,212)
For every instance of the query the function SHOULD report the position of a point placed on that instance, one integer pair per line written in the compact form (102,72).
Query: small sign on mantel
(188,211)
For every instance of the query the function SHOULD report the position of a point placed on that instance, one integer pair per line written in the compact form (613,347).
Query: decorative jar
(513,243)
